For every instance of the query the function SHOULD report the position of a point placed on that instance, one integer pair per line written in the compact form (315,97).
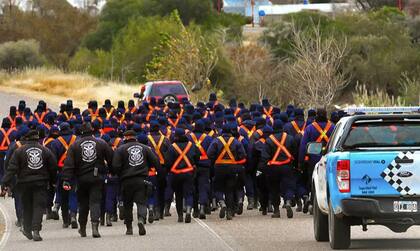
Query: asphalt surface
(250,231)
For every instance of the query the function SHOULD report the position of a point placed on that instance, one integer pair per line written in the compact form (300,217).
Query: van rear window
(383,134)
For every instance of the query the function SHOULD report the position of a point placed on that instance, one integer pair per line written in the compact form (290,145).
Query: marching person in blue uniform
(183,157)
(228,157)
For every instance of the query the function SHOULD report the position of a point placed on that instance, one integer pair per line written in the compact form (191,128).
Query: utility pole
(252,11)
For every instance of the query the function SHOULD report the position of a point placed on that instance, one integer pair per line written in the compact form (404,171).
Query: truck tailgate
(385,173)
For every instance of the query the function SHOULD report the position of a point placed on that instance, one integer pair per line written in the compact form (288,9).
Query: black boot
(276,213)
(95,230)
(157,214)
(289,209)
(73,221)
(121,210)
(36,236)
(114,217)
(49,214)
(306,203)
(108,220)
(196,212)
(66,219)
(82,230)
(229,214)
(102,219)
(142,229)
(207,209)
(213,205)
(167,210)
(129,230)
(250,203)
(202,212)
(299,205)
(263,210)
(222,212)
(240,208)
(27,234)
(187,214)
(151,215)
(180,216)
(54,212)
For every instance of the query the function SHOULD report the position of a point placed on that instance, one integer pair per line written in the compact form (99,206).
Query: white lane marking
(212,232)
(7,230)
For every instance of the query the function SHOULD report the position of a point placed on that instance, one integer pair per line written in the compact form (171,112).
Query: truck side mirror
(314,148)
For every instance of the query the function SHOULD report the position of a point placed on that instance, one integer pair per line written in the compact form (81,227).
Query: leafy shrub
(20,54)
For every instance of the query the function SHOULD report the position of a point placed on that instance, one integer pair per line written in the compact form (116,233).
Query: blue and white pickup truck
(369,175)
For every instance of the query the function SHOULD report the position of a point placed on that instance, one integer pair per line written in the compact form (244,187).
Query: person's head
(277,126)
(130,135)
(12,111)
(179,135)
(6,123)
(154,126)
(321,115)
(86,128)
(199,126)
(107,103)
(65,129)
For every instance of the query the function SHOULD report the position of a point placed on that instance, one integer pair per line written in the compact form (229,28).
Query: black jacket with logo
(133,159)
(84,155)
(31,162)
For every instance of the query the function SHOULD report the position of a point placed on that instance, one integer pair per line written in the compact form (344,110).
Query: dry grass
(56,86)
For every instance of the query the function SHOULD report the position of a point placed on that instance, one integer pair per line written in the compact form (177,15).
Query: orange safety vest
(132,110)
(269,112)
(109,114)
(174,124)
(66,147)
(198,142)
(322,132)
(12,121)
(93,114)
(226,150)
(237,111)
(280,148)
(182,156)
(149,114)
(6,140)
(41,117)
(68,116)
(297,129)
(46,141)
(27,119)
(115,144)
(248,131)
(157,147)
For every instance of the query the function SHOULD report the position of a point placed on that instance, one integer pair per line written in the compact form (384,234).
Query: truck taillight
(343,176)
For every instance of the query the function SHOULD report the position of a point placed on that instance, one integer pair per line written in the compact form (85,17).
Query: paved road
(250,231)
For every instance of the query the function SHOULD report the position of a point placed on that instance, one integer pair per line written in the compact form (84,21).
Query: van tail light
(343,176)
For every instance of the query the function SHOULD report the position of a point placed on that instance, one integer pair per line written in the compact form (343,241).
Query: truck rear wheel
(320,223)
(339,231)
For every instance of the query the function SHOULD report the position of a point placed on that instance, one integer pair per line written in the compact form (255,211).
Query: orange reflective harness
(157,147)
(298,130)
(6,138)
(66,147)
(268,112)
(12,121)
(41,117)
(249,132)
(109,113)
(226,151)
(199,146)
(182,156)
(47,141)
(280,149)
(116,143)
(93,114)
(322,132)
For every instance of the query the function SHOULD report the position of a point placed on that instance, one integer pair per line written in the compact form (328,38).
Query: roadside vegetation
(370,57)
